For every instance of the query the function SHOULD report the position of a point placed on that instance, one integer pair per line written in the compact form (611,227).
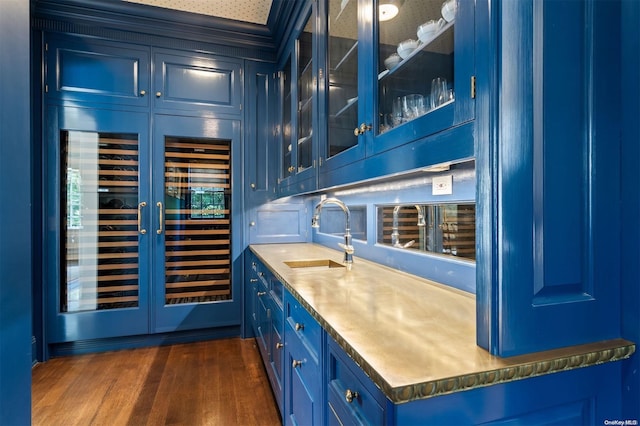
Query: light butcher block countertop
(413,337)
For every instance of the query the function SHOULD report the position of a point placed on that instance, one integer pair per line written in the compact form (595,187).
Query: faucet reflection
(395,234)
(347,246)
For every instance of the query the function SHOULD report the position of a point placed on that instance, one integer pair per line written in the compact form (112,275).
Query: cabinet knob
(261,293)
(291,169)
(253,186)
(299,326)
(350,395)
(279,345)
(252,223)
(143,92)
(362,129)
(158,94)
(253,280)
(296,363)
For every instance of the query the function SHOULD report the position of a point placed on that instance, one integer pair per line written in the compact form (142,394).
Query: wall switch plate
(442,185)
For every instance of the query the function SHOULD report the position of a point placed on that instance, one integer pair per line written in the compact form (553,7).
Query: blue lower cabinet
(267,322)
(303,366)
(352,398)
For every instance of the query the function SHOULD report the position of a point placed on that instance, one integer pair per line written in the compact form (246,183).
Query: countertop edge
(548,362)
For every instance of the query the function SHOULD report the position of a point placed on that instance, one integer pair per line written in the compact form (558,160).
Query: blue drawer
(303,325)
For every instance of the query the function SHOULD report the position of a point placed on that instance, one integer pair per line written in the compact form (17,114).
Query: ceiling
(255,11)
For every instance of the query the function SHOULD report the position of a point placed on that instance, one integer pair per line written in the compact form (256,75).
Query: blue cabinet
(352,398)
(196,82)
(376,100)
(97,71)
(140,224)
(303,391)
(264,294)
(299,97)
(548,264)
(339,97)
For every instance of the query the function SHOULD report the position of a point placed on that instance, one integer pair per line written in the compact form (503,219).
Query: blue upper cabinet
(299,94)
(396,73)
(200,82)
(84,69)
(550,223)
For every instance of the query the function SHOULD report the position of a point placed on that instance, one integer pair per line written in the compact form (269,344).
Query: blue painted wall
(15,214)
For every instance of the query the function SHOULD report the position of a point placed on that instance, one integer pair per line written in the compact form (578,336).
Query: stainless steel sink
(314,263)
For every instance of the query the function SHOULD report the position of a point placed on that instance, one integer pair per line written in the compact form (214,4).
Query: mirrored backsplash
(446,229)
(333,221)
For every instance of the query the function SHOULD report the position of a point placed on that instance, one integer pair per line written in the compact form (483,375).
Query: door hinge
(473,87)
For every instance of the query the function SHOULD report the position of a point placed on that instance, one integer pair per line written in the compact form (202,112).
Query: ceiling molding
(248,40)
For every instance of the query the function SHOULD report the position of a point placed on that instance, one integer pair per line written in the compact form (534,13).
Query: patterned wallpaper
(256,11)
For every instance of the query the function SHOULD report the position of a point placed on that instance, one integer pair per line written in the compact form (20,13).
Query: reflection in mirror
(447,229)
(333,221)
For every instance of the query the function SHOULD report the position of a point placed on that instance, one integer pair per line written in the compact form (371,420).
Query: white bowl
(427,30)
(392,61)
(449,10)
(406,47)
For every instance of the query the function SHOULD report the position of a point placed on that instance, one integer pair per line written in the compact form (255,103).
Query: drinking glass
(439,92)
(412,106)
(396,112)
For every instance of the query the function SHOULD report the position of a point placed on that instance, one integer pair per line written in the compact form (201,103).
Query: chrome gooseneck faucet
(347,246)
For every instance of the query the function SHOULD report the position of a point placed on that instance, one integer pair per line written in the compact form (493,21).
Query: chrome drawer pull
(299,326)
(296,363)
(279,345)
(350,395)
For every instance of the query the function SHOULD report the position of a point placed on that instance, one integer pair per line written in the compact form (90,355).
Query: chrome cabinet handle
(350,395)
(279,345)
(253,280)
(296,363)
(143,92)
(140,206)
(261,293)
(160,217)
(299,326)
(158,94)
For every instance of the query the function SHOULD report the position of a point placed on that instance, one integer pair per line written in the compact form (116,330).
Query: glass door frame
(176,317)
(85,325)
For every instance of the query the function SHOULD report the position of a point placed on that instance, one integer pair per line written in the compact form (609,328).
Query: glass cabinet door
(306,94)
(342,58)
(416,75)
(287,154)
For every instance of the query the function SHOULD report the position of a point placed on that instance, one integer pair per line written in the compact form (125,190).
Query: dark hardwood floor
(219,382)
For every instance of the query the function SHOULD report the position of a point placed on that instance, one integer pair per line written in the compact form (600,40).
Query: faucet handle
(348,249)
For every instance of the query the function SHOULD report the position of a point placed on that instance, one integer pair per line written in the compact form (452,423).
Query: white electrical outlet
(442,185)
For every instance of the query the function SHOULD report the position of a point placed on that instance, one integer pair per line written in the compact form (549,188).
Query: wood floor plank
(220,382)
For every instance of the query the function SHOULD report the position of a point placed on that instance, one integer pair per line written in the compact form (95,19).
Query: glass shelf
(421,47)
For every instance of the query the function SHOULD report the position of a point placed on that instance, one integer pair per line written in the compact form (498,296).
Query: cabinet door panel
(95,71)
(202,83)
(558,276)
